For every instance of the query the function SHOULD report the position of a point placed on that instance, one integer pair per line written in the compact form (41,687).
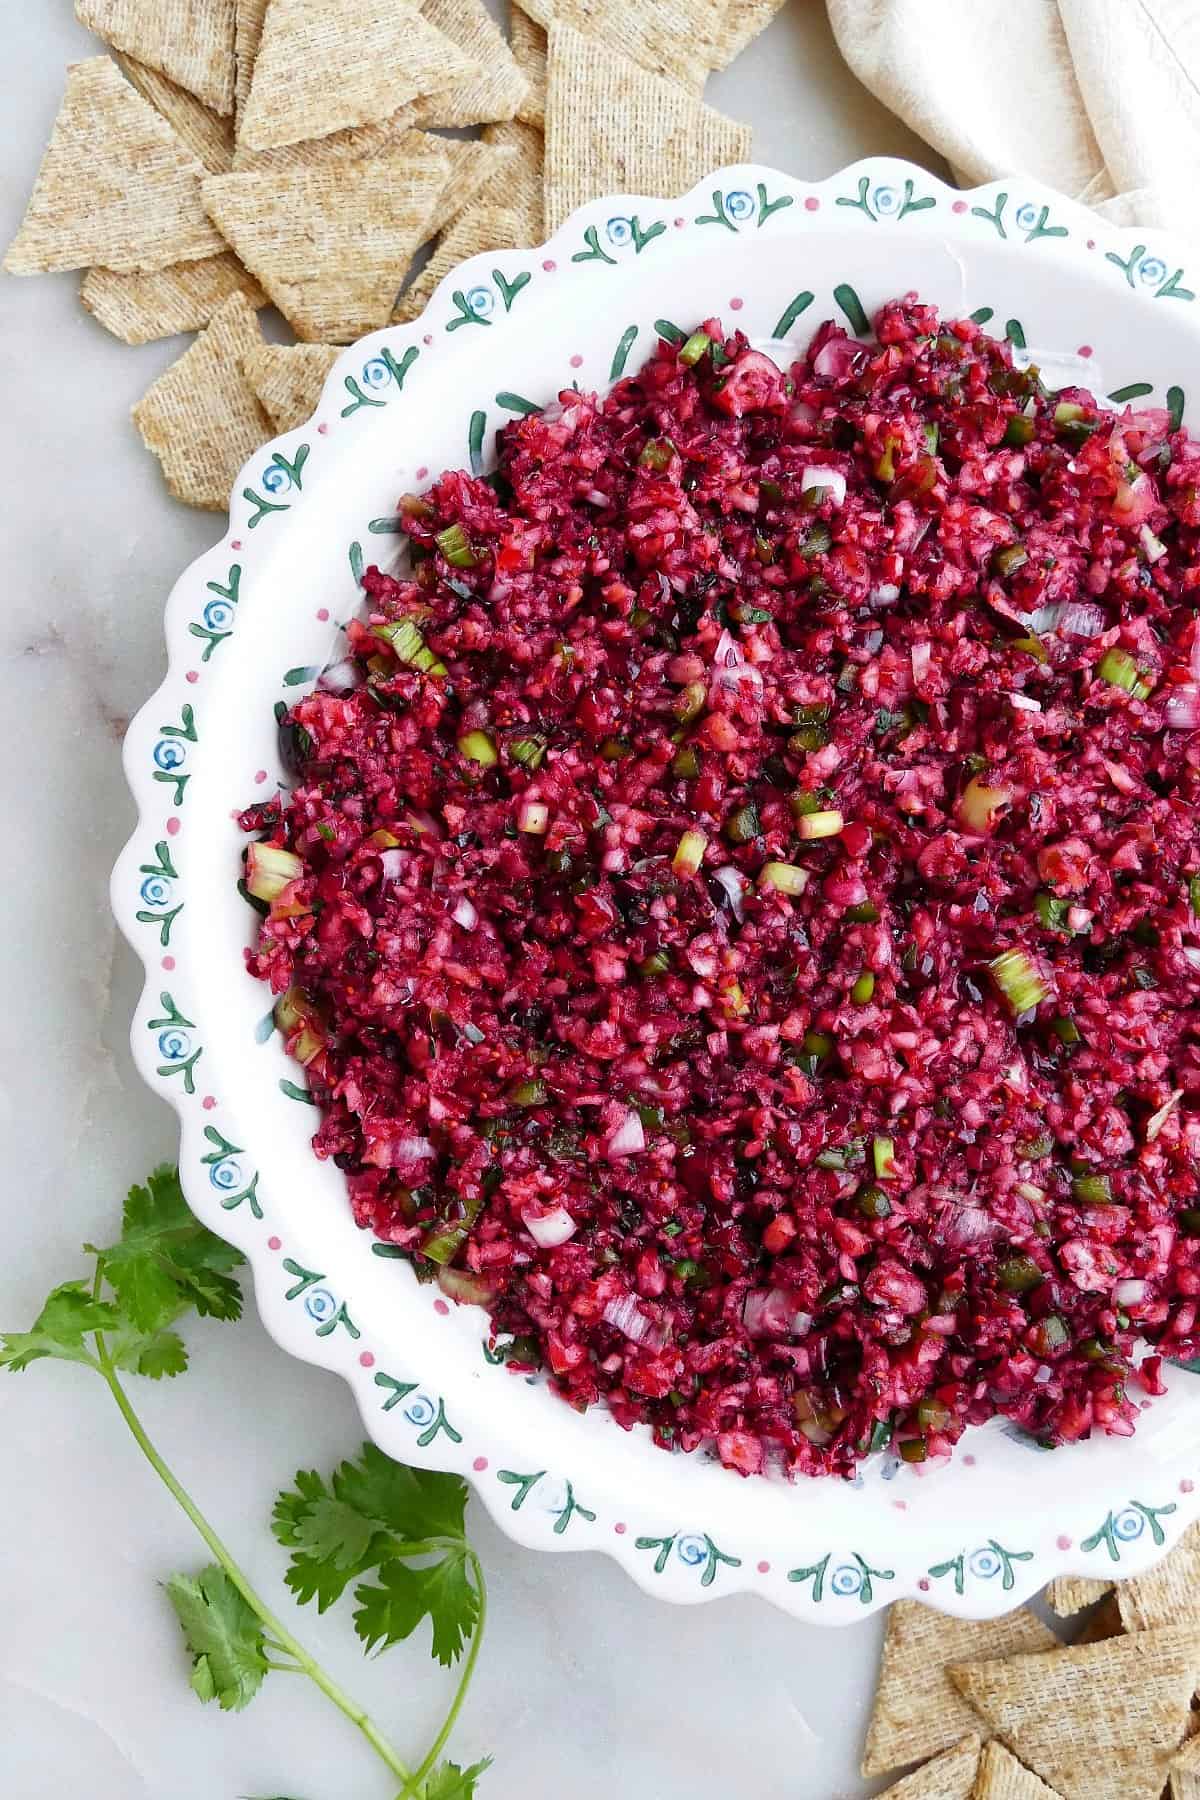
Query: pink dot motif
(1064,1543)
(323,614)
(324,430)
(1085,350)
(577,361)
(679,224)
(960,206)
(367,1360)
(172,827)
(620,1529)
(439,1306)
(236,544)
(422,472)
(208,1102)
(427,339)
(274,1243)
(923,1584)
(168,963)
(1186,1487)
(260,775)
(480,1464)
(812,204)
(764,1568)
(737,303)
(549,265)
(193,676)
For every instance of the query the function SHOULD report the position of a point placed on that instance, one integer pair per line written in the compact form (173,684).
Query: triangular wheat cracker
(677,39)
(950,1776)
(743,21)
(340,146)
(518,187)
(479,228)
(116,186)
(249,17)
(190,41)
(1002,1777)
(1092,1720)
(496,91)
(326,65)
(1070,1594)
(1169,1594)
(656,138)
(529,49)
(474,165)
(288,379)
(201,418)
(1185,1771)
(331,245)
(917,1710)
(207,134)
(140,308)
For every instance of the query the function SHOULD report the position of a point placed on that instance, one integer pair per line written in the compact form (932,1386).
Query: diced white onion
(628,1318)
(629,1138)
(1154,1125)
(1024,703)
(1129,1293)
(734,889)
(464,914)
(551,1229)
(392,864)
(341,677)
(1183,706)
(832,479)
(533,817)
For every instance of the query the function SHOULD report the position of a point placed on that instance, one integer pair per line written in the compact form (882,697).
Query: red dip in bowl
(737,904)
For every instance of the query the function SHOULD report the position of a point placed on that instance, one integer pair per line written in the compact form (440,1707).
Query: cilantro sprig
(397,1534)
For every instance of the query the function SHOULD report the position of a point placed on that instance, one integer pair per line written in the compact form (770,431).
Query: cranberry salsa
(738,902)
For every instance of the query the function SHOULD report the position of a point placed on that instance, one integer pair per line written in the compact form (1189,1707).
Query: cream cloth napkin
(1098,98)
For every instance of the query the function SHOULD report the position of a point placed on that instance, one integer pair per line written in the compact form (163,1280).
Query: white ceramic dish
(252,621)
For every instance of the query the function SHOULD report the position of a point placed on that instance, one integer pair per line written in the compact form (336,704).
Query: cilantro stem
(464,1682)
(281,1636)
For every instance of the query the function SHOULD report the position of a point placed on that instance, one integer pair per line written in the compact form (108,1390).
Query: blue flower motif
(156,890)
(1027,216)
(169,753)
(887,201)
(173,1044)
(985,1563)
(1152,271)
(739,204)
(482,302)
(619,232)
(218,615)
(420,1410)
(552,1494)
(276,480)
(376,373)
(691,1550)
(320,1304)
(1129,1525)
(226,1175)
(846,1580)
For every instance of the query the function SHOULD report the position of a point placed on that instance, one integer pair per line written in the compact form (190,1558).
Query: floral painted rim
(302,1307)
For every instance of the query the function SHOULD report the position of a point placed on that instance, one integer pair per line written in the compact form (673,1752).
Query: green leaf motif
(625,344)
(852,306)
(792,311)
(475,433)
(225,1638)
(593,253)
(510,289)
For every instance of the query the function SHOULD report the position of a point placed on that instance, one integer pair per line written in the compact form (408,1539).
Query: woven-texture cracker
(191,41)
(499,88)
(1067,1595)
(474,165)
(917,1709)
(529,49)
(331,245)
(479,228)
(655,138)
(288,379)
(677,39)
(1002,1777)
(950,1776)
(518,187)
(1093,1720)
(202,419)
(742,23)
(1169,1594)
(140,308)
(1185,1772)
(249,18)
(207,134)
(116,186)
(326,65)
(350,145)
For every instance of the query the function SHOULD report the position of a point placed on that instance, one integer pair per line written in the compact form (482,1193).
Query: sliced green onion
(1032,646)
(885,462)
(1019,981)
(863,988)
(292,1010)
(1008,558)
(695,348)
(412,506)
(478,747)
(1017,1274)
(1194,895)
(1092,1190)
(616,749)
(447,1237)
(657,454)
(269,870)
(1118,668)
(1066,412)
(1051,911)
(1067,1031)
(933,1415)
(455,547)
(865,913)
(873,1203)
(408,646)
(820,824)
(1019,431)
(817,1044)
(689,853)
(786,877)
(818,541)
(688,703)
(529,1093)
(686,763)
(529,752)
(980,804)
(912,1450)
(1049,1334)
(742,826)
(804,802)
(930,434)
(657,964)
(883,1154)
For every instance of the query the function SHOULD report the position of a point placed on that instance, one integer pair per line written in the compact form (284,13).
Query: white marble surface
(586,1687)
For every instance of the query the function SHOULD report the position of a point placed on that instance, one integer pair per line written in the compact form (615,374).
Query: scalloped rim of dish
(974,1575)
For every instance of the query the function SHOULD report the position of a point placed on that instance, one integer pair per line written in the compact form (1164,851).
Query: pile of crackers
(1005,1711)
(236,153)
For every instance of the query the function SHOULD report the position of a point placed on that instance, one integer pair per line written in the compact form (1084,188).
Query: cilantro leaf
(69,1315)
(444,1592)
(371,1509)
(223,1635)
(153,1354)
(448,1782)
(166,1261)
